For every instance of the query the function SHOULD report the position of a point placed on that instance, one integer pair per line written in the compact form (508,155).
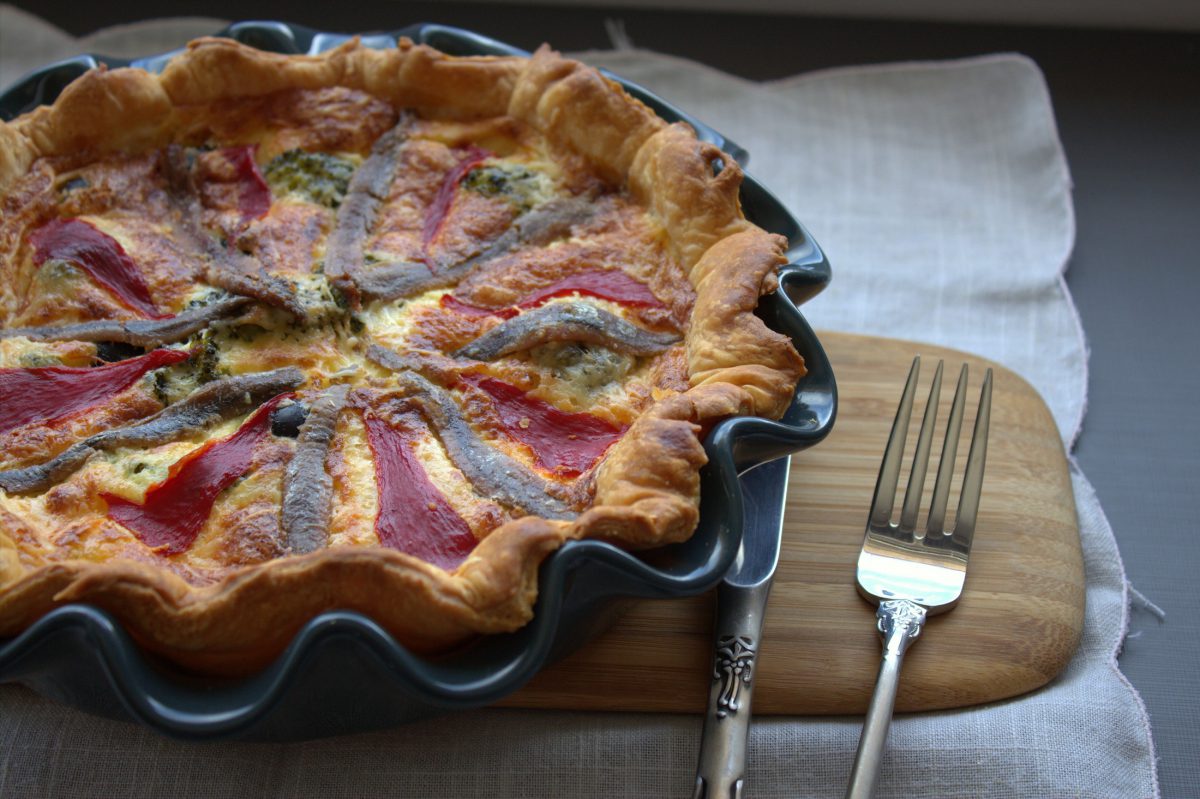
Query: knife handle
(721,773)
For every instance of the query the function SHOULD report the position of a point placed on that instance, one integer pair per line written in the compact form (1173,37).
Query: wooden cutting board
(1017,625)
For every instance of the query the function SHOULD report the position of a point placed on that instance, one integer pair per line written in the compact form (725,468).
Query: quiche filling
(493,320)
(373,330)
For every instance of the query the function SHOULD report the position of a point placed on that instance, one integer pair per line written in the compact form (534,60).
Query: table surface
(1128,109)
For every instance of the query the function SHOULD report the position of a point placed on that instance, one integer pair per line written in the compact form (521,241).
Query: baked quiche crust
(643,493)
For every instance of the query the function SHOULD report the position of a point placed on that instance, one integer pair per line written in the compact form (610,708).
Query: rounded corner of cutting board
(1015,629)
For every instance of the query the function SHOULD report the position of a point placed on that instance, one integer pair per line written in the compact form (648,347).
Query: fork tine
(936,526)
(920,464)
(972,487)
(893,455)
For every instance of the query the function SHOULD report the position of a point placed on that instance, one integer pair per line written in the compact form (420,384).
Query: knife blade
(741,606)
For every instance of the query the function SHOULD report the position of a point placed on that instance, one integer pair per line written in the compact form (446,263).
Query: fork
(910,573)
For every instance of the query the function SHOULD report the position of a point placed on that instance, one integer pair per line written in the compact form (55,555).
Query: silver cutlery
(911,573)
(741,604)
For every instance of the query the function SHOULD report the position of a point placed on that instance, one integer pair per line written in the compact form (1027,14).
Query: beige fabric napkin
(942,197)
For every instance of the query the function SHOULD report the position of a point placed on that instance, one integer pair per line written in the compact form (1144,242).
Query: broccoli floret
(517,184)
(319,177)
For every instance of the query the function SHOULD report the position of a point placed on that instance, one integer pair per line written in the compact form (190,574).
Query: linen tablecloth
(944,204)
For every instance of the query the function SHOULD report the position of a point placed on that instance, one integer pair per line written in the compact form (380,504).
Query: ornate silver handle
(899,622)
(722,770)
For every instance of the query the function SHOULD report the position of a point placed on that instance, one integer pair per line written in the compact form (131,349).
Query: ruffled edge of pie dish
(647,488)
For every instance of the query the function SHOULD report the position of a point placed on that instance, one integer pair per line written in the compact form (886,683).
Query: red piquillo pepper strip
(51,393)
(100,255)
(435,217)
(174,511)
(566,444)
(609,284)
(413,516)
(254,195)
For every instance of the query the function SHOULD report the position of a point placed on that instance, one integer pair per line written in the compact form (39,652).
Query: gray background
(1128,108)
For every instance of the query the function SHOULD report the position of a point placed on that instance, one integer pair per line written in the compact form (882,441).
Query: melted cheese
(323,344)
(243,527)
(19,352)
(391,323)
(352,520)
(128,472)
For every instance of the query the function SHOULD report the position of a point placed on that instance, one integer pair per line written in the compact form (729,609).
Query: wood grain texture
(1014,630)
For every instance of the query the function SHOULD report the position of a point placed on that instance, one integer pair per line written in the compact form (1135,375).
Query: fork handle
(899,622)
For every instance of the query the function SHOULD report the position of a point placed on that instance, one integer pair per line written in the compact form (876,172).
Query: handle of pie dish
(457,41)
(804,279)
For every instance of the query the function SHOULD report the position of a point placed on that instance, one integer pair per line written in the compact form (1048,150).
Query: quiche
(375,330)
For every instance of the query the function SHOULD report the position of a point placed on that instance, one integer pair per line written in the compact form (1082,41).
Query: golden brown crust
(577,106)
(646,489)
(728,343)
(673,174)
(102,111)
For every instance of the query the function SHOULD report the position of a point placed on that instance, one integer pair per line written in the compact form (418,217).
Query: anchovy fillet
(243,275)
(539,227)
(396,361)
(398,279)
(139,332)
(307,486)
(232,271)
(433,365)
(552,220)
(367,191)
(205,406)
(565,321)
(491,472)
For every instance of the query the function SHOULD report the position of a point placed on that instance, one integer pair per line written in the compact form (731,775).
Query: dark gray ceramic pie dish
(343,673)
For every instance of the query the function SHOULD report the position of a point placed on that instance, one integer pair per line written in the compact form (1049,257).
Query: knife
(741,606)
